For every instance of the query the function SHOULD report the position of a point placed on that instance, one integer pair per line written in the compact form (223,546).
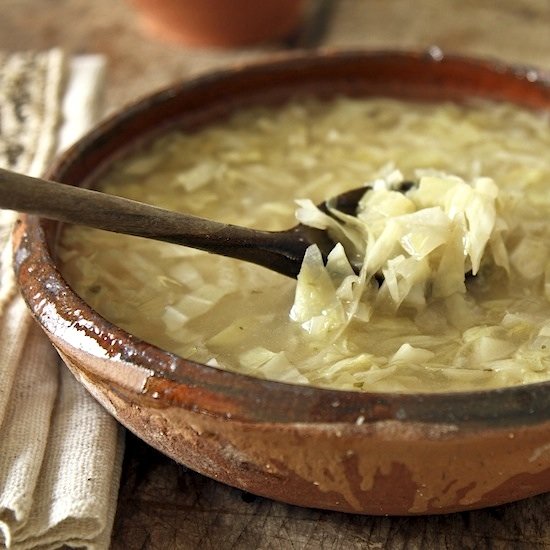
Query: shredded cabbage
(422,242)
(426,327)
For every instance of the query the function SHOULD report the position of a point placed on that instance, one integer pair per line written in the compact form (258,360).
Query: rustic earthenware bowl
(355,452)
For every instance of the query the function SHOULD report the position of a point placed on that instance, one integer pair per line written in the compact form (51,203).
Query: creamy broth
(249,171)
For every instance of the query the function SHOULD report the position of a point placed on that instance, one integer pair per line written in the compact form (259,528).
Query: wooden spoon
(280,251)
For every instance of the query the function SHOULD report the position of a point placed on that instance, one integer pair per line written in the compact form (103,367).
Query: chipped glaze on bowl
(338,450)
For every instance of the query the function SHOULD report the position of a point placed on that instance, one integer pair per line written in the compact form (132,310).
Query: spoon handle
(279,251)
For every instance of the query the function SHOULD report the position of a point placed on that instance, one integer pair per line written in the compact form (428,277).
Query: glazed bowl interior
(117,367)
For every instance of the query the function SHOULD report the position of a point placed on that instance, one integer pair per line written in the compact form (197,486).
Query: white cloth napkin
(60,452)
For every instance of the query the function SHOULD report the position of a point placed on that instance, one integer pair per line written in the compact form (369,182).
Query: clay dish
(338,450)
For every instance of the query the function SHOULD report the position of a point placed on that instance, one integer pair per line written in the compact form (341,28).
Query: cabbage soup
(454,292)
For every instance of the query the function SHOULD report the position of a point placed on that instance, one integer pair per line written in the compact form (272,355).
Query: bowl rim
(176,381)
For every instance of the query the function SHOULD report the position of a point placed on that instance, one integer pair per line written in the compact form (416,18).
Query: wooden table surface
(162,504)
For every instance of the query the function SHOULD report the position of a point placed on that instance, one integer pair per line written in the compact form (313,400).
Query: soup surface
(491,329)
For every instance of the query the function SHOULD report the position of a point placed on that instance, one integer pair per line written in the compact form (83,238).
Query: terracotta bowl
(219,23)
(338,450)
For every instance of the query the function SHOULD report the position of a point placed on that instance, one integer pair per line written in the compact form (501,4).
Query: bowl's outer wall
(349,451)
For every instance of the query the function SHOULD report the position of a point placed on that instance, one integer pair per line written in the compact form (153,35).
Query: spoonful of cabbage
(280,251)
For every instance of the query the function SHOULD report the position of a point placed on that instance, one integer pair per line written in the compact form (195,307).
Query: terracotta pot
(355,452)
(220,23)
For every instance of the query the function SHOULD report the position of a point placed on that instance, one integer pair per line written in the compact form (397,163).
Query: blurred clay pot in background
(221,23)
